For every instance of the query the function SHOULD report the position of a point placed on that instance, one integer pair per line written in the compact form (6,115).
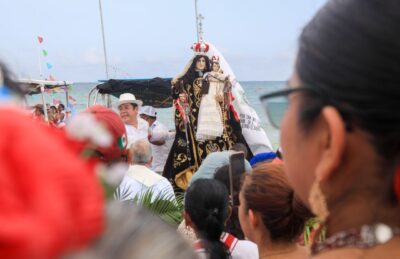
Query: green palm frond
(121,195)
(168,207)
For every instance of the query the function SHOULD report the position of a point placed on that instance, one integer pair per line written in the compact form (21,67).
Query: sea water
(253,90)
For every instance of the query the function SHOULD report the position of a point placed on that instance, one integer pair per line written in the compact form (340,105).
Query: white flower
(84,126)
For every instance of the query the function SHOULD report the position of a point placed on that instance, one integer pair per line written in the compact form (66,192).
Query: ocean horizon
(253,89)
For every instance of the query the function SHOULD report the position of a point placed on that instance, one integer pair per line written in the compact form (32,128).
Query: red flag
(71,98)
(55,101)
(52,78)
(40,39)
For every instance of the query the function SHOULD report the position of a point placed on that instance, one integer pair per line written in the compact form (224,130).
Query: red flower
(50,199)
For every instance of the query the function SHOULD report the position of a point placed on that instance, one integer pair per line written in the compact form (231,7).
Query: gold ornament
(317,202)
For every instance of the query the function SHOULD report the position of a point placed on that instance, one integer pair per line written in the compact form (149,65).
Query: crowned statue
(210,122)
(205,120)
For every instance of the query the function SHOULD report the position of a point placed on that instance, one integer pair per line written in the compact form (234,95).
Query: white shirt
(239,249)
(245,249)
(139,179)
(159,132)
(135,134)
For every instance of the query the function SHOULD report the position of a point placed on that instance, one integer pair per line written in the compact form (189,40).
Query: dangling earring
(317,202)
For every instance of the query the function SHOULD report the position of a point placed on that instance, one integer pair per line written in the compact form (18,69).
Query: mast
(104,39)
(104,50)
(197,20)
(199,23)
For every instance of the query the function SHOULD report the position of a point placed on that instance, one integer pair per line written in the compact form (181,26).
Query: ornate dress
(187,153)
(210,124)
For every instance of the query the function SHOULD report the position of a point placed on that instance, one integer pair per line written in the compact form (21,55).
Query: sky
(150,38)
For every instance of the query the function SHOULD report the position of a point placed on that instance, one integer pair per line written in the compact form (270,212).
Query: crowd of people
(339,161)
(56,115)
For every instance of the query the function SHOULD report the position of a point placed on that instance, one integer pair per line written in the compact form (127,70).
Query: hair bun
(299,210)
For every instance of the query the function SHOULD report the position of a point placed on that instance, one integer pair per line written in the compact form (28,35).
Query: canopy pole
(46,117)
(67,102)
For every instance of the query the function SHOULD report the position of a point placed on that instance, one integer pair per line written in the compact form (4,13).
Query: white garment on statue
(135,134)
(210,125)
(139,179)
(159,132)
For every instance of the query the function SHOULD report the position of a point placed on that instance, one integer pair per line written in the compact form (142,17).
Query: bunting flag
(71,98)
(52,78)
(55,101)
(49,66)
(45,53)
(40,39)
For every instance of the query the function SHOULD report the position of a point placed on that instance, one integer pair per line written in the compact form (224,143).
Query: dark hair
(39,108)
(350,51)
(10,83)
(232,226)
(192,74)
(266,190)
(206,202)
(61,105)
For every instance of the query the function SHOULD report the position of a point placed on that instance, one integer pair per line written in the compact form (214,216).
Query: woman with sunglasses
(343,118)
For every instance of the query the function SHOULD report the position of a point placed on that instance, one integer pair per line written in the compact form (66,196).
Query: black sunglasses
(276,103)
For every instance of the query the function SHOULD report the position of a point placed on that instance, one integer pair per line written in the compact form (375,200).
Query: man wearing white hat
(158,136)
(136,128)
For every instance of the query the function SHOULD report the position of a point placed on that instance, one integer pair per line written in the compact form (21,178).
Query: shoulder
(220,154)
(245,249)
(159,127)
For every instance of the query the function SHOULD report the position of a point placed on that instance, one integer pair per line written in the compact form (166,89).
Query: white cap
(129,98)
(148,110)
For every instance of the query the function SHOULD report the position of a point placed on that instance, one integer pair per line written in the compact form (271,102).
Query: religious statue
(196,92)
(211,122)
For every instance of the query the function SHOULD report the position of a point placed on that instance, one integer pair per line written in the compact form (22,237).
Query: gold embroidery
(179,159)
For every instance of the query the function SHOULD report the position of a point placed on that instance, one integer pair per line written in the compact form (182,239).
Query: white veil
(254,134)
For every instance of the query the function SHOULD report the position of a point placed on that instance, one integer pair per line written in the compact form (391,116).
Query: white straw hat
(149,111)
(128,98)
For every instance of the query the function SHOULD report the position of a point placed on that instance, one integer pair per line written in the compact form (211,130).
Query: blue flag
(49,66)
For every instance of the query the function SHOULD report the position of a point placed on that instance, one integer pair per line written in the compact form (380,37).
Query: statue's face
(201,64)
(215,67)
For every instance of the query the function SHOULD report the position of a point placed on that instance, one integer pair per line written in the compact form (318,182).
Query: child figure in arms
(211,120)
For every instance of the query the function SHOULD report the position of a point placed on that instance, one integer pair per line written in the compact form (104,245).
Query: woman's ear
(333,142)
(130,155)
(253,218)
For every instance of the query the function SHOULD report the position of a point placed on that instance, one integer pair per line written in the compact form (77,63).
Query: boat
(33,87)
(155,91)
